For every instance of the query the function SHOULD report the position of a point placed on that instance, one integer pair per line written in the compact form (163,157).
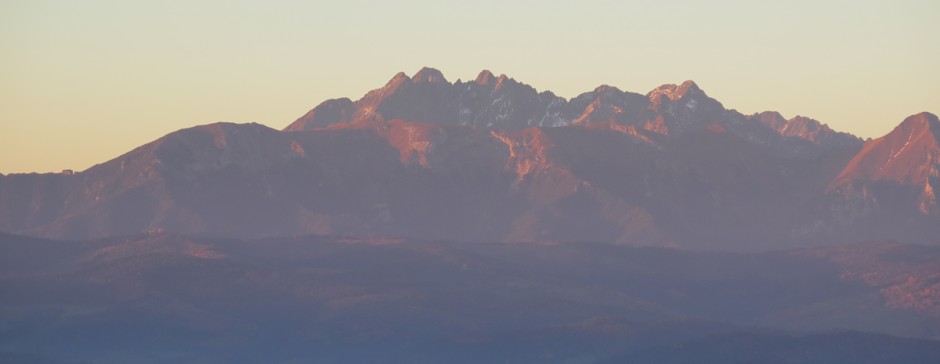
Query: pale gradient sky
(82,82)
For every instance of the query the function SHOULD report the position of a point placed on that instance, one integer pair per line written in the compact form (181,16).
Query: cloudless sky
(82,82)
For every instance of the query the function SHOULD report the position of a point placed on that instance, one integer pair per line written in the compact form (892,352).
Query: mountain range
(495,160)
(484,221)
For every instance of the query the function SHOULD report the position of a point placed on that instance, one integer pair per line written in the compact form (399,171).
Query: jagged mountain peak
(607,89)
(485,78)
(922,121)
(676,92)
(772,119)
(327,113)
(923,126)
(909,154)
(803,126)
(501,82)
(803,119)
(397,80)
(687,87)
(429,75)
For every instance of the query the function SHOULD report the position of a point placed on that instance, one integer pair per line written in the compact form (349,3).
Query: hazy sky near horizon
(82,82)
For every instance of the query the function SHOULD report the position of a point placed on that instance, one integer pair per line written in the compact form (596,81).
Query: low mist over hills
(171,298)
